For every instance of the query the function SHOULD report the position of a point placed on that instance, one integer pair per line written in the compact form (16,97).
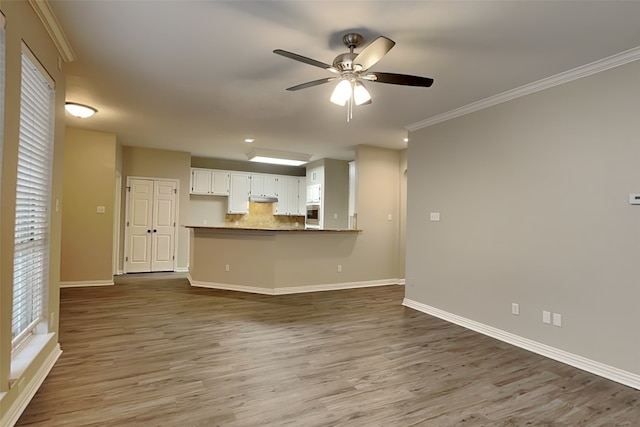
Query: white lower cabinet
(239,189)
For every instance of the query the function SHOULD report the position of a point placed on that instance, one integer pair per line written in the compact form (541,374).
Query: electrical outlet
(435,216)
(515,308)
(557,320)
(546,317)
(339,268)
(226,267)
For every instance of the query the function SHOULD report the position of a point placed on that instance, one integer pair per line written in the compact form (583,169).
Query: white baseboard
(615,374)
(20,404)
(182,270)
(334,286)
(293,289)
(86,283)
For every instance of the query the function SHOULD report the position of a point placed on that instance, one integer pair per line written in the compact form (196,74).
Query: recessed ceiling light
(79,110)
(249,140)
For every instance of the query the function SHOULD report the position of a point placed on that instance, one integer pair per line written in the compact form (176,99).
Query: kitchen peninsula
(273,261)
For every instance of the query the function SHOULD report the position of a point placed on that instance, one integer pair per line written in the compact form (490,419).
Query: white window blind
(2,72)
(33,188)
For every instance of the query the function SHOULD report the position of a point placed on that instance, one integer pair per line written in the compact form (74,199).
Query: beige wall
(378,197)
(533,197)
(152,163)
(23,24)
(89,180)
(335,203)
(402,221)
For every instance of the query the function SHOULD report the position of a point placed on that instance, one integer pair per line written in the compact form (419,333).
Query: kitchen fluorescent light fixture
(79,110)
(278,157)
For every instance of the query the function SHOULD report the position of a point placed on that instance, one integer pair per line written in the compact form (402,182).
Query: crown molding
(546,83)
(53,27)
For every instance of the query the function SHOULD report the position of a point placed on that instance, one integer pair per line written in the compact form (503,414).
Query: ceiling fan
(352,68)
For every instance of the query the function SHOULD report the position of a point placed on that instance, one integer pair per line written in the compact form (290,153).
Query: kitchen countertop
(271,230)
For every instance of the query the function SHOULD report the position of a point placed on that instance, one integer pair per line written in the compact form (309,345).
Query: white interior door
(163,232)
(150,230)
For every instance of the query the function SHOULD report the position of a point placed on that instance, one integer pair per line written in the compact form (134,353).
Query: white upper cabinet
(200,181)
(264,185)
(282,186)
(220,183)
(239,193)
(209,181)
(290,196)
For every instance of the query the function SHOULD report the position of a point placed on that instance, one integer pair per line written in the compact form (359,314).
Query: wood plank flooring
(152,351)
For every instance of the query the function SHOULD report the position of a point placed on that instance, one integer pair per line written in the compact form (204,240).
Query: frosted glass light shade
(79,110)
(341,93)
(360,94)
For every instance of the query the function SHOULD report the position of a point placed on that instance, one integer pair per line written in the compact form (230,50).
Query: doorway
(150,229)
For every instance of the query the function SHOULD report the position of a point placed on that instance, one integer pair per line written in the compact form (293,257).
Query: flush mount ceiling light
(249,140)
(79,110)
(263,155)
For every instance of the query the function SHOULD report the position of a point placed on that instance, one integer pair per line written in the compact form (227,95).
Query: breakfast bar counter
(271,230)
(274,261)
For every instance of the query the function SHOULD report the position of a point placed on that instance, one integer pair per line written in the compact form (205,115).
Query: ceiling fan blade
(301,58)
(402,79)
(373,52)
(311,84)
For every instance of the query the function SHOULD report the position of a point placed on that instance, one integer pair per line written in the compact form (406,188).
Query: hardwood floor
(152,351)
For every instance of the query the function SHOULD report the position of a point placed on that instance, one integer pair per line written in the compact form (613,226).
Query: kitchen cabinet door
(200,181)
(302,196)
(257,185)
(239,189)
(292,196)
(270,185)
(220,183)
(282,185)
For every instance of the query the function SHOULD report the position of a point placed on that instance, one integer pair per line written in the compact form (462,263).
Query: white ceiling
(201,77)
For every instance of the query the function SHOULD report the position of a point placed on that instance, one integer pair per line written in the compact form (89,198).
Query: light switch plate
(546,317)
(557,319)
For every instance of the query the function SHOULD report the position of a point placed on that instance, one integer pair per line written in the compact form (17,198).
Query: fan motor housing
(344,62)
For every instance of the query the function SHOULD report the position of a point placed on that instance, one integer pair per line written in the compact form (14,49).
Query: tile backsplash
(261,216)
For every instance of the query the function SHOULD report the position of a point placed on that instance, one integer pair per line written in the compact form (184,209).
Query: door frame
(126,214)
(117,209)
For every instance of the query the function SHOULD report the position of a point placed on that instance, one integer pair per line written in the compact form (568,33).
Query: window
(2,71)
(33,189)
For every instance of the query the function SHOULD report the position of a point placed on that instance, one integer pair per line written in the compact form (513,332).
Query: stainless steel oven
(313,216)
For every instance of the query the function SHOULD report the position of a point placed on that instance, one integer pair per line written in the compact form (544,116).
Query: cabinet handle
(148,231)
(155,231)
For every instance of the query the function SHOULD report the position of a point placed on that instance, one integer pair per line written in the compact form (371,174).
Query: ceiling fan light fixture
(341,93)
(79,110)
(360,94)
(274,157)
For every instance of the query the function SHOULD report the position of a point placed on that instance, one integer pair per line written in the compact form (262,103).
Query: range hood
(263,199)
